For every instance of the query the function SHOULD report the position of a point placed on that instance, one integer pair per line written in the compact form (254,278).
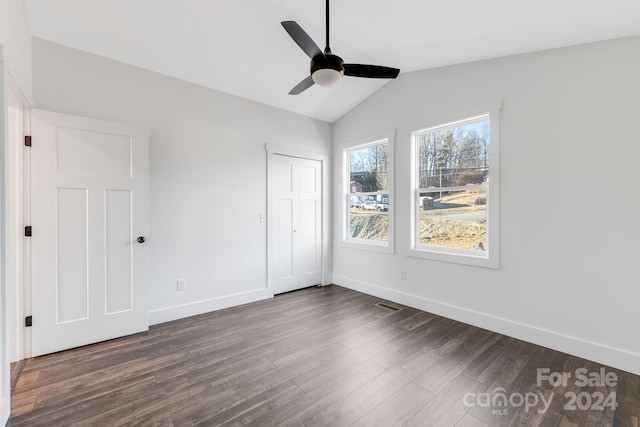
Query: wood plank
(398,408)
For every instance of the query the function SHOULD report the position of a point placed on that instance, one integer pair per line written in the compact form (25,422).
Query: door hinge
(27,140)
(27,231)
(28,321)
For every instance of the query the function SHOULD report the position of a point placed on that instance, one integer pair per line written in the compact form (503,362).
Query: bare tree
(443,155)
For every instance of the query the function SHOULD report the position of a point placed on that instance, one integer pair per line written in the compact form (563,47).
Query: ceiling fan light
(326,77)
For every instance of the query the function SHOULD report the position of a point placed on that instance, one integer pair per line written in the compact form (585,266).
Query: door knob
(141,239)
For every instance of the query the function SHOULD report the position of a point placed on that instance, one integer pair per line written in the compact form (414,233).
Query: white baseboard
(599,353)
(200,307)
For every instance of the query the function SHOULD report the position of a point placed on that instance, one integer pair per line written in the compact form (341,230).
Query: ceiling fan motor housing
(327,69)
(327,61)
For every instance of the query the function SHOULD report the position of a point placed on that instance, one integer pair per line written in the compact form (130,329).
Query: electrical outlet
(403,274)
(182,284)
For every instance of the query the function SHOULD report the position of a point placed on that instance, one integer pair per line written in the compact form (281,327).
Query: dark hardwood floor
(319,357)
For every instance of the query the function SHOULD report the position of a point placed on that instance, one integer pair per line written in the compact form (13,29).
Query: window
(455,191)
(368,195)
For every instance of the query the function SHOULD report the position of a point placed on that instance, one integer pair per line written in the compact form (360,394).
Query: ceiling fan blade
(302,39)
(302,86)
(370,71)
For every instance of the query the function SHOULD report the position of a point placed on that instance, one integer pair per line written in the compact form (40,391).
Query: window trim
(490,258)
(344,191)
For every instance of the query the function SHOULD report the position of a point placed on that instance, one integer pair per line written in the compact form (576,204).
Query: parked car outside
(382,207)
(368,205)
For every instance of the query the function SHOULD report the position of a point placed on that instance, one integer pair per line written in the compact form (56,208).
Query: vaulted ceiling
(239,46)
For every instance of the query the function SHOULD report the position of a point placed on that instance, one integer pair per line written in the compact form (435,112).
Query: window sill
(368,245)
(482,259)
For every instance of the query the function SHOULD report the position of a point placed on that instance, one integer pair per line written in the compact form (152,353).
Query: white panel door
(298,244)
(89,205)
(309,233)
(286,207)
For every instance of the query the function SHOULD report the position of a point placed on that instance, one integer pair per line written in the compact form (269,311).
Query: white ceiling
(239,47)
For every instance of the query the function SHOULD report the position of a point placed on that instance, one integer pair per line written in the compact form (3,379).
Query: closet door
(298,220)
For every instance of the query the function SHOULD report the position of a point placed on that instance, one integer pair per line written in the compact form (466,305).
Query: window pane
(368,216)
(368,168)
(455,156)
(456,219)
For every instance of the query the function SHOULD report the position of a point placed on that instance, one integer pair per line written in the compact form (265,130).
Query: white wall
(15,38)
(569,235)
(207,171)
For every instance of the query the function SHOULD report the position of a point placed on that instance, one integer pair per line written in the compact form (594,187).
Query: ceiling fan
(326,68)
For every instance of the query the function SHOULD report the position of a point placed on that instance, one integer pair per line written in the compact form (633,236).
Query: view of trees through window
(368,196)
(452,176)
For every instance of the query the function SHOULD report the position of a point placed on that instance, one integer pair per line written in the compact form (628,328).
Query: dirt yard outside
(456,221)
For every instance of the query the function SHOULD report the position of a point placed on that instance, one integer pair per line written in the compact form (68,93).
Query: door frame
(17,273)
(272,151)
(11,238)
